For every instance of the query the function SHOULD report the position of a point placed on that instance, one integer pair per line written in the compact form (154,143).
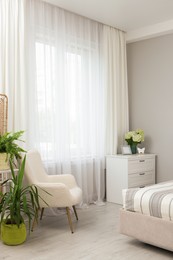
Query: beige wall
(150,79)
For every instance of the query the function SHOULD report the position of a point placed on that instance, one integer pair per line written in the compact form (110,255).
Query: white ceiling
(128,15)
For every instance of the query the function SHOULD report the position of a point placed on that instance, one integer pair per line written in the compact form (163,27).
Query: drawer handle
(141,160)
(143,173)
(141,186)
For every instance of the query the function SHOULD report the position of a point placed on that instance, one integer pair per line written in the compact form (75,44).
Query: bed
(147,214)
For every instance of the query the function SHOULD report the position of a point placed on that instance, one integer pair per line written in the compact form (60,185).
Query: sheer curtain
(67,104)
(65,76)
(12,61)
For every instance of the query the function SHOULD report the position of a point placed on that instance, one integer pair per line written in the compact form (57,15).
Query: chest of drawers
(128,171)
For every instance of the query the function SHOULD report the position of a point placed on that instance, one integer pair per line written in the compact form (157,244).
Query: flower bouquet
(133,138)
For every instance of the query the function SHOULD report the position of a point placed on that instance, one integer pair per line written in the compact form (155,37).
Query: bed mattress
(155,200)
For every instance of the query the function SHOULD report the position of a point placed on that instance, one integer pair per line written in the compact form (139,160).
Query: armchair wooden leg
(69,219)
(41,215)
(75,212)
(33,225)
(34,222)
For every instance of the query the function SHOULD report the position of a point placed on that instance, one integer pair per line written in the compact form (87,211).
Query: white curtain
(67,88)
(12,61)
(67,95)
(115,80)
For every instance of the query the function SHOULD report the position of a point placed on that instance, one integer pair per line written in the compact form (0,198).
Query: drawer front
(141,179)
(140,165)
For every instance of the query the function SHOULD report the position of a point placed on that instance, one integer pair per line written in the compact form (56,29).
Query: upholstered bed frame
(151,230)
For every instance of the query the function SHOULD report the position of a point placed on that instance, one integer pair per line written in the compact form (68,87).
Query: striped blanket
(155,200)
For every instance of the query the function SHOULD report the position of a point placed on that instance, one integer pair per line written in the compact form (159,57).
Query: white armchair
(63,188)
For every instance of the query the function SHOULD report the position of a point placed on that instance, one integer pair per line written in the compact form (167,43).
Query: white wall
(150,79)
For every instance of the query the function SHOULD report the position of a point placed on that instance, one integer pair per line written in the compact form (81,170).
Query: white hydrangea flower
(136,136)
(129,135)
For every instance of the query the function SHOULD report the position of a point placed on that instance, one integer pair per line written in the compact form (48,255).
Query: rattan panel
(3,113)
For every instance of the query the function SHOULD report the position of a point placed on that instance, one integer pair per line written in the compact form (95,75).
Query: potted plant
(9,149)
(17,204)
(133,138)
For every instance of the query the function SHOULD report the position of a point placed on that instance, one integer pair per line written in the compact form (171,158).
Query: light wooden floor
(96,237)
